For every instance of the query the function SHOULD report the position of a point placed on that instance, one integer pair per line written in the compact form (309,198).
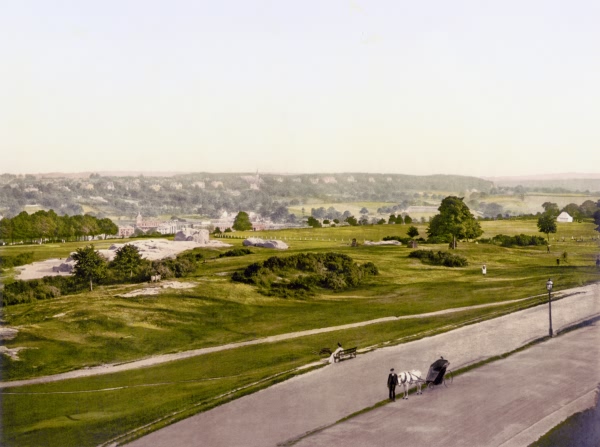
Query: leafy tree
(351,220)
(547,224)
(399,219)
(127,259)
(412,232)
(364,220)
(588,208)
(551,208)
(313,222)
(6,229)
(364,210)
(573,210)
(107,227)
(380,221)
(407,219)
(392,219)
(217,230)
(596,217)
(454,220)
(242,222)
(318,213)
(89,264)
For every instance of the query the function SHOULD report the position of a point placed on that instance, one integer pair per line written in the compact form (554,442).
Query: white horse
(408,378)
(155,278)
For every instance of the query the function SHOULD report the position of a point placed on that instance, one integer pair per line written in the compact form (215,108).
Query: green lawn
(89,329)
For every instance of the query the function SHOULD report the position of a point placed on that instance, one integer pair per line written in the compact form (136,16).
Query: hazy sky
(418,87)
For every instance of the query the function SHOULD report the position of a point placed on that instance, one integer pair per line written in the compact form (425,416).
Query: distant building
(125,231)
(351,179)
(146,224)
(329,180)
(564,217)
(216,184)
(155,187)
(170,227)
(176,185)
(371,180)
(200,185)
(109,186)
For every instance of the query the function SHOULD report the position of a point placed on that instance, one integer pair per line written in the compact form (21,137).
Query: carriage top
(437,371)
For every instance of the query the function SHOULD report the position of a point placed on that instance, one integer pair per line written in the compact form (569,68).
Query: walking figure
(392,383)
(484,270)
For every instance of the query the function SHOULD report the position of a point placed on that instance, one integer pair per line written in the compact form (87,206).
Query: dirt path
(158,359)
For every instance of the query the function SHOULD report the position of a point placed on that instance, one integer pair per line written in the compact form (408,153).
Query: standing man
(392,383)
(484,270)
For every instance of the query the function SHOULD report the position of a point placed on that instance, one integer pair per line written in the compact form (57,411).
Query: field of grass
(89,329)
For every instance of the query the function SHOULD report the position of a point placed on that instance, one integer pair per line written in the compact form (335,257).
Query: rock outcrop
(258,242)
(189,234)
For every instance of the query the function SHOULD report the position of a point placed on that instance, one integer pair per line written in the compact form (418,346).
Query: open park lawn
(93,328)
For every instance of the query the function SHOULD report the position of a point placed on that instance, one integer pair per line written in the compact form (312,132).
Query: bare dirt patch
(155,290)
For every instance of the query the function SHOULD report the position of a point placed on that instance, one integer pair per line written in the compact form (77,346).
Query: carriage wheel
(448,378)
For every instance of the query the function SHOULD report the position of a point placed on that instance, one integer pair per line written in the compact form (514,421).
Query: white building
(564,217)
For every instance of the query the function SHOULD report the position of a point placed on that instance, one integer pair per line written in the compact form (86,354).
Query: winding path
(163,358)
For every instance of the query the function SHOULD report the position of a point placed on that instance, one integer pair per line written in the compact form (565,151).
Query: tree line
(48,225)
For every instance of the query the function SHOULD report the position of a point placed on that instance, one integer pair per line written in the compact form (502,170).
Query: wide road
(507,403)
(317,399)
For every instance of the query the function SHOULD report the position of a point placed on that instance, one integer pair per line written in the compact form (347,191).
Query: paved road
(320,398)
(508,403)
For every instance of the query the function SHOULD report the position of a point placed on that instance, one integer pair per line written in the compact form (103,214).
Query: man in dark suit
(391,383)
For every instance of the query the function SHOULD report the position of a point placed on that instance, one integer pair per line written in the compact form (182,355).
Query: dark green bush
(332,271)
(45,288)
(7,262)
(520,240)
(236,252)
(439,258)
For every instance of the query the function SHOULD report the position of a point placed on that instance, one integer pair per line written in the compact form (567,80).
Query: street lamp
(549,284)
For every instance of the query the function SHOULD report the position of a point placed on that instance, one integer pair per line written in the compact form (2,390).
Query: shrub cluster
(7,262)
(302,274)
(29,291)
(236,252)
(521,240)
(440,258)
(184,264)
(48,287)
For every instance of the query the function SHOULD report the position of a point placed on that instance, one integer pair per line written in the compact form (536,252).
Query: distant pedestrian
(548,246)
(392,383)
(598,262)
(557,261)
(484,270)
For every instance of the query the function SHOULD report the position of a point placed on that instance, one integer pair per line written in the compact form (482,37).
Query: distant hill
(573,182)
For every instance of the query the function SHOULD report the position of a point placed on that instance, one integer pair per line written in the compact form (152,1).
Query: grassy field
(95,328)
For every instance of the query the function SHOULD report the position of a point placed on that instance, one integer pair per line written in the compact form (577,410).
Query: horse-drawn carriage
(439,373)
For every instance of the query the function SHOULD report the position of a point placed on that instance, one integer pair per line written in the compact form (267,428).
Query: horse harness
(409,378)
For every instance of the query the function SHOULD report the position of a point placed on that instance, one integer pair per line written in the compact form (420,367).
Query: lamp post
(549,284)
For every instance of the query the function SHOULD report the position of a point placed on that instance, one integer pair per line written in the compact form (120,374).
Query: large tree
(547,224)
(551,208)
(454,220)
(89,264)
(127,259)
(242,222)
(412,232)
